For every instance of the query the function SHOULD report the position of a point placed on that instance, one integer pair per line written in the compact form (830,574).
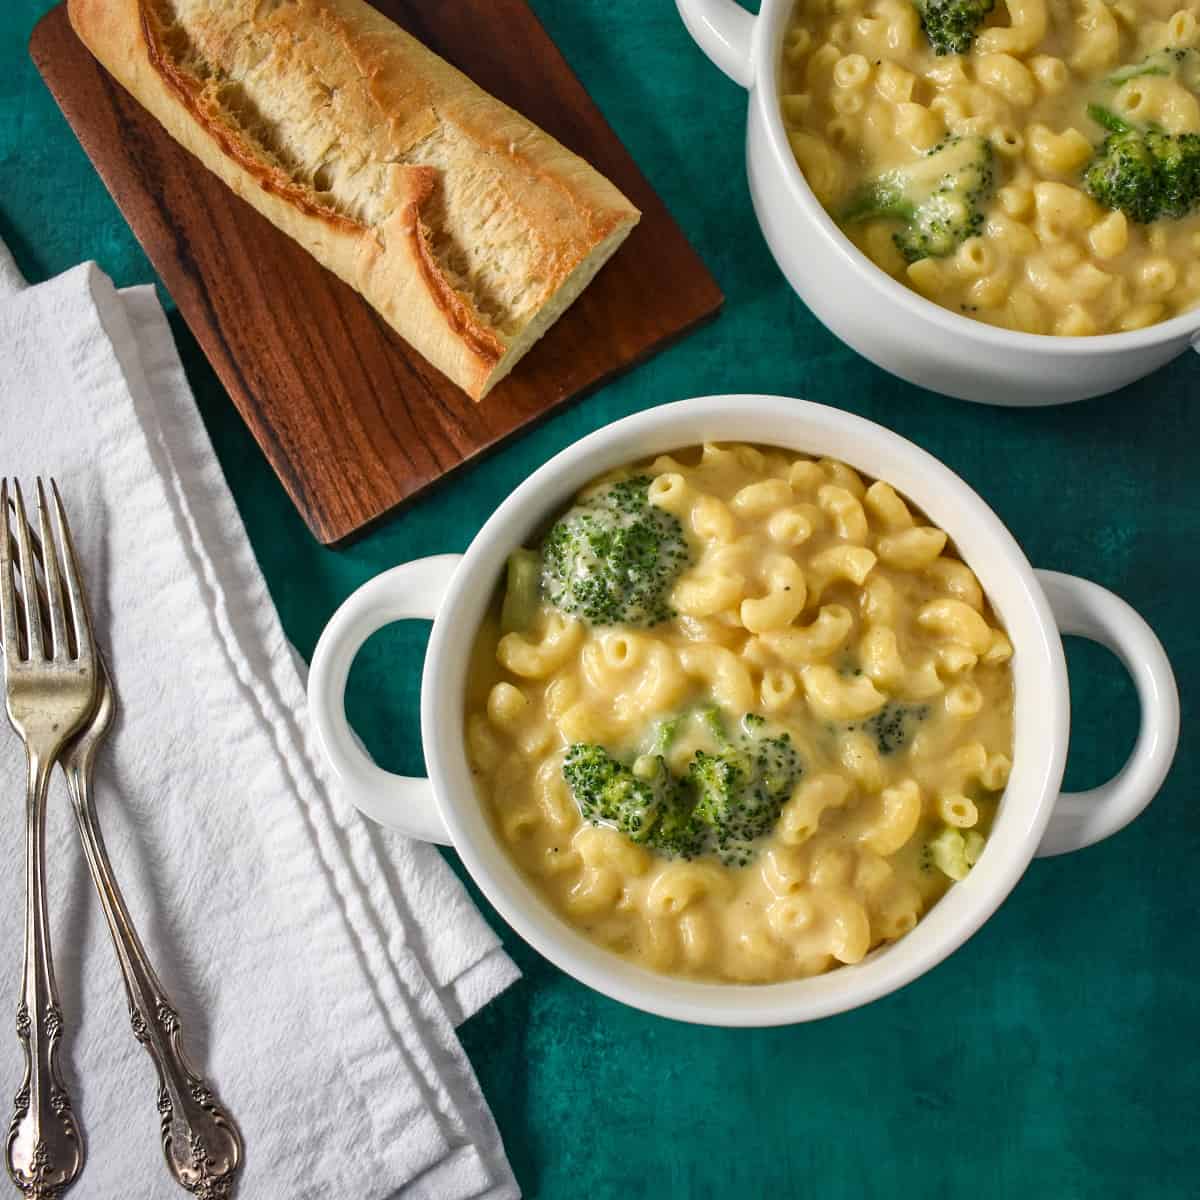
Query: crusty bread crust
(464,224)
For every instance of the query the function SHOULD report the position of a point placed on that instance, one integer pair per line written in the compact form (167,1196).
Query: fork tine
(36,542)
(8,592)
(28,570)
(54,593)
(74,580)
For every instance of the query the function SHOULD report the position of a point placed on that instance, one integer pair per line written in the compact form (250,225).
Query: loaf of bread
(464,224)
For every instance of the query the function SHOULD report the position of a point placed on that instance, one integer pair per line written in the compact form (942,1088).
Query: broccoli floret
(741,788)
(1145,173)
(893,725)
(679,832)
(939,198)
(630,799)
(727,800)
(643,801)
(951,25)
(613,557)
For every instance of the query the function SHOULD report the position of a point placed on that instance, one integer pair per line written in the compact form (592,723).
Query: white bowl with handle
(883,320)
(1036,607)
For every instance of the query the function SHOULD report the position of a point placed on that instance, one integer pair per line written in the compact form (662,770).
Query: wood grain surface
(353,421)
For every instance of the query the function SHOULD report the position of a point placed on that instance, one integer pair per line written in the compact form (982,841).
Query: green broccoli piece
(631,799)
(680,833)
(951,25)
(1145,173)
(952,852)
(741,788)
(713,723)
(665,733)
(939,198)
(613,557)
(893,725)
(1108,119)
(1179,61)
(727,800)
(644,801)
(521,593)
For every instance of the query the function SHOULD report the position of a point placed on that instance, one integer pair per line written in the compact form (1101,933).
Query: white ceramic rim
(766,58)
(1042,708)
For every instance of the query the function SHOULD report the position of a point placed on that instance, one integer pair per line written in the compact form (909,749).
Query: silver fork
(200,1140)
(50,691)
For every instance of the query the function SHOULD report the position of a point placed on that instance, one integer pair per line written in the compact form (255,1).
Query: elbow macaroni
(863,92)
(822,602)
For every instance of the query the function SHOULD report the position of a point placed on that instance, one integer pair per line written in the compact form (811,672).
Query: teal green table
(1055,1055)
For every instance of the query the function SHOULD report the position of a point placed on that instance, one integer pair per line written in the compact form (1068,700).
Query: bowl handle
(724,30)
(414,589)
(1090,611)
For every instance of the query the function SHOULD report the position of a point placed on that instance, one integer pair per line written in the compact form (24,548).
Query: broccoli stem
(665,732)
(714,723)
(1107,119)
(1179,61)
(878,201)
(1135,72)
(521,595)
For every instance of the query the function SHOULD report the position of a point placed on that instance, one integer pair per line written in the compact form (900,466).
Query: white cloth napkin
(319,965)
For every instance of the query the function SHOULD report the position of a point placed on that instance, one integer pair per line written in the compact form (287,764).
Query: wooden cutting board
(352,420)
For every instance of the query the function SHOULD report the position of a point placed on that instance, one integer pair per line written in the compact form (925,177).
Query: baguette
(467,227)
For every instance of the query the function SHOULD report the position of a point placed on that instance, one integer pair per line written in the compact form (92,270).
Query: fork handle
(44,1151)
(200,1140)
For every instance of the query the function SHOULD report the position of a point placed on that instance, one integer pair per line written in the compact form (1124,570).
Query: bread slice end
(567,294)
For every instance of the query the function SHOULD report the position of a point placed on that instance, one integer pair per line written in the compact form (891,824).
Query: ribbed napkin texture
(319,964)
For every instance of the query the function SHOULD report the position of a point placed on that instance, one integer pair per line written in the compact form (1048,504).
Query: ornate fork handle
(45,1148)
(200,1140)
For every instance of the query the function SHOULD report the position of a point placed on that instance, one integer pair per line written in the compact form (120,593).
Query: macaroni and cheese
(864,95)
(781,766)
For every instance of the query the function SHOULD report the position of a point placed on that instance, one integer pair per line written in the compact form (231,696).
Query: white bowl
(893,326)
(1035,607)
